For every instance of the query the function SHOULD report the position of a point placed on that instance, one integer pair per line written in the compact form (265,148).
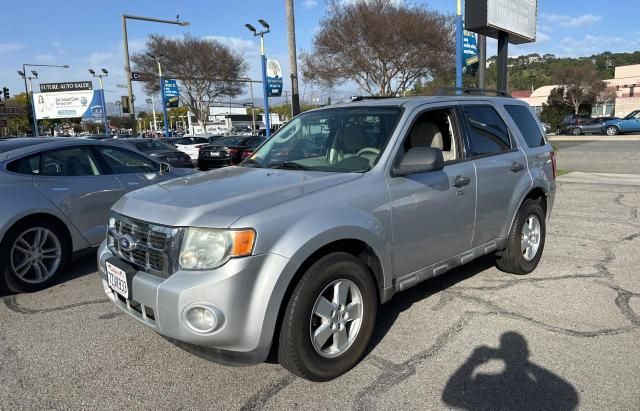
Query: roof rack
(361,98)
(443,91)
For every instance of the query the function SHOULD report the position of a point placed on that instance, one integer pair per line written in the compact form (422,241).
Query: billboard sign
(516,17)
(69,86)
(171,94)
(274,78)
(68,104)
(470,52)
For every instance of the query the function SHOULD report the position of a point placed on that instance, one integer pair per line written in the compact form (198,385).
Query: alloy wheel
(530,238)
(336,318)
(36,255)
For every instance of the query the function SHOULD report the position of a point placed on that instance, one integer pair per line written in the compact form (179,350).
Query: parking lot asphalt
(622,157)
(565,336)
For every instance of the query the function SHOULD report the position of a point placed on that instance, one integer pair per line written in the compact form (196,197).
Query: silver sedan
(55,199)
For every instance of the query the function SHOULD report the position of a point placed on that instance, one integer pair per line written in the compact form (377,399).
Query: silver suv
(291,254)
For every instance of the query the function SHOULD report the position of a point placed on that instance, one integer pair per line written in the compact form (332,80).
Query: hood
(218,198)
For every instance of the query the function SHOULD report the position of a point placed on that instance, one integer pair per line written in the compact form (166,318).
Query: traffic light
(5,92)
(126,107)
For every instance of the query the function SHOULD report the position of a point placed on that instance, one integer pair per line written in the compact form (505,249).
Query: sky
(88,35)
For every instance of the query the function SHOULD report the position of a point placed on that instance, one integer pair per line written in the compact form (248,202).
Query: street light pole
(162,96)
(127,63)
(263,61)
(29,90)
(459,45)
(102,100)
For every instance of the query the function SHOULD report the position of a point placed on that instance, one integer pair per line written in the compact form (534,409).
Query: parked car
(160,151)
(189,145)
(569,122)
(292,253)
(56,199)
(227,151)
(629,124)
(594,126)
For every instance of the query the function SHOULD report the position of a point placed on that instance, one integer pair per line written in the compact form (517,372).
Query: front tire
(329,319)
(32,256)
(612,131)
(526,240)
(576,131)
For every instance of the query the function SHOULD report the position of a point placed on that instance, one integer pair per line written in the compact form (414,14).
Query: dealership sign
(70,86)
(470,52)
(274,78)
(518,18)
(171,94)
(67,104)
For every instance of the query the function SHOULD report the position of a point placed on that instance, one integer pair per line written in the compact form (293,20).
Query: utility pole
(482,61)
(293,60)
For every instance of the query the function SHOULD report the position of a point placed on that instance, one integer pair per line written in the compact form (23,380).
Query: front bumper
(245,291)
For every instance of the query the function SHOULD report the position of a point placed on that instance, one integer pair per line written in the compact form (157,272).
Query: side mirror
(420,160)
(165,168)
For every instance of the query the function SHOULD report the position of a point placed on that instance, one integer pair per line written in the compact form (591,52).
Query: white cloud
(310,3)
(542,37)
(245,47)
(591,44)
(572,22)
(100,58)
(44,58)
(9,47)
(57,44)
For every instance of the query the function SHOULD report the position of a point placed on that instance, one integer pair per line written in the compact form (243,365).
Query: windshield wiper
(249,162)
(290,165)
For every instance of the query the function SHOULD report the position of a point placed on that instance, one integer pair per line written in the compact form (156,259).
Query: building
(626,84)
(9,110)
(224,118)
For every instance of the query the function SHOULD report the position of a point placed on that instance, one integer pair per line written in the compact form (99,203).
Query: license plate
(215,154)
(117,280)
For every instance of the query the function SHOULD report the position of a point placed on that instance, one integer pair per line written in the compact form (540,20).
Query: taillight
(553,164)
(199,146)
(246,153)
(233,151)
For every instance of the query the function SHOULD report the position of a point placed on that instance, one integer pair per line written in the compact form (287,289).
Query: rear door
(73,180)
(500,168)
(132,169)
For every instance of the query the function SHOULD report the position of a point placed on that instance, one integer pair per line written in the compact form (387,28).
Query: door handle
(461,181)
(516,167)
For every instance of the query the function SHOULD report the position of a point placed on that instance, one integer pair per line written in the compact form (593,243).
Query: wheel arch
(536,193)
(43,217)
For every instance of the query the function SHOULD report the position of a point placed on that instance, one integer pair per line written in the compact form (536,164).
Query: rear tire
(32,255)
(323,334)
(612,131)
(576,131)
(526,240)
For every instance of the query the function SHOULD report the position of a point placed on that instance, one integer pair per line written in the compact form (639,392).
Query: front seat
(428,134)
(351,140)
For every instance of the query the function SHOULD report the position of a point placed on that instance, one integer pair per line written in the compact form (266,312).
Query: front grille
(149,247)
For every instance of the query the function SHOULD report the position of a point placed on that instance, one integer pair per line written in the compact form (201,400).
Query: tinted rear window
(232,141)
(527,125)
(152,145)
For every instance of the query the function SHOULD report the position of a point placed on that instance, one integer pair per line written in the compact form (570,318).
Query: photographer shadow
(522,385)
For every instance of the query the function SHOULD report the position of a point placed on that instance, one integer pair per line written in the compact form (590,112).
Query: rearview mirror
(165,168)
(420,160)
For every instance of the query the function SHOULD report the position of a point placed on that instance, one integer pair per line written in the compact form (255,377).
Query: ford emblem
(127,243)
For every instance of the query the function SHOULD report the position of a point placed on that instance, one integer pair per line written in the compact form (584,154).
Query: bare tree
(581,85)
(382,45)
(205,68)
(606,95)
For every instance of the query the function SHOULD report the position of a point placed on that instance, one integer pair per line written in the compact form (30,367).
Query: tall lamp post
(459,44)
(263,60)
(162,96)
(105,73)
(29,89)
(125,40)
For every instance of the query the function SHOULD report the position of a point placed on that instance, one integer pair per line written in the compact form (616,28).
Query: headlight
(204,248)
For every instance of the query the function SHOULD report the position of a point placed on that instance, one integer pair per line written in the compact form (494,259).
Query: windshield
(152,145)
(632,115)
(337,140)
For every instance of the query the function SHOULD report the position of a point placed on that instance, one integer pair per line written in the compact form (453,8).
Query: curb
(593,138)
(600,178)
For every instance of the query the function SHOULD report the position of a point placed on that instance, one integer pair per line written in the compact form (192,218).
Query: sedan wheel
(530,238)
(32,255)
(576,131)
(612,131)
(36,255)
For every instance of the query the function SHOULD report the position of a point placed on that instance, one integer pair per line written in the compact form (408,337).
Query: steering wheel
(370,150)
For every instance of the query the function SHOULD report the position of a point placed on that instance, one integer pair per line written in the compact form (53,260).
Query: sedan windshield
(153,145)
(335,140)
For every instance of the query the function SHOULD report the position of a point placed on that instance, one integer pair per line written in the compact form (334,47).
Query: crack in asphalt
(12,303)
(259,399)
(633,211)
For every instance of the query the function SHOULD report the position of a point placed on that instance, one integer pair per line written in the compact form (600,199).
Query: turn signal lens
(242,242)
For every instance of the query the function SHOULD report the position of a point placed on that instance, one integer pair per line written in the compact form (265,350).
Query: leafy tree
(205,69)
(555,109)
(581,85)
(382,45)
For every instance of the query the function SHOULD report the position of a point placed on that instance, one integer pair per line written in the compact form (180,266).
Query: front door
(433,213)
